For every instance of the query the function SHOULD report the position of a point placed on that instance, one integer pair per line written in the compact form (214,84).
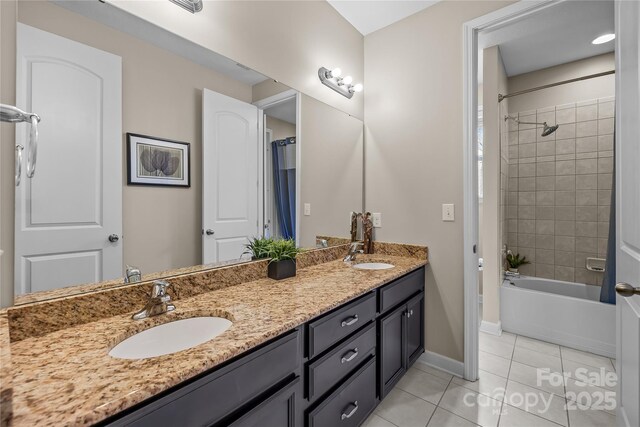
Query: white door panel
(628,208)
(230,175)
(46,272)
(66,212)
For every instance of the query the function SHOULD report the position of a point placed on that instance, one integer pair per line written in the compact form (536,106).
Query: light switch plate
(307,209)
(448,212)
(377,219)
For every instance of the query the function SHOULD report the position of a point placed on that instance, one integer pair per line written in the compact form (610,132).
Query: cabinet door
(415,328)
(278,409)
(391,349)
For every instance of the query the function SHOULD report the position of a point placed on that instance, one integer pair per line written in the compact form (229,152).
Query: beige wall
(157,101)
(331,146)
(285,40)
(588,89)
(266,89)
(280,128)
(494,82)
(413,114)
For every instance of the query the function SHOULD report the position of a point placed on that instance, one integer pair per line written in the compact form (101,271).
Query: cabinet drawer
(401,289)
(350,405)
(279,409)
(333,327)
(327,371)
(207,400)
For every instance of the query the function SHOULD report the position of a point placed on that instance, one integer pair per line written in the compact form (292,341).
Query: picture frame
(158,161)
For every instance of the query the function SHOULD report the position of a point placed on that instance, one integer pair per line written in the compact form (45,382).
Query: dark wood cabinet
(400,330)
(216,397)
(278,409)
(391,347)
(415,328)
(331,371)
(351,403)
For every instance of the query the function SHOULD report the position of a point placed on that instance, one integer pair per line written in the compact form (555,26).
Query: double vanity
(319,349)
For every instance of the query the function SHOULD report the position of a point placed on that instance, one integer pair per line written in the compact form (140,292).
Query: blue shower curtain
(284,181)
(608,290)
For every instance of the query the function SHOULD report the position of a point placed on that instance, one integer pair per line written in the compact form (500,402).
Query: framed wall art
(157,161)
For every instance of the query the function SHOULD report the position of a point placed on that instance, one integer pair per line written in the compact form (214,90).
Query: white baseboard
(446,364)
(491,328)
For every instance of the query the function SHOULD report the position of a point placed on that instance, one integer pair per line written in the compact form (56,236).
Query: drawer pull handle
(353,355)
(350,320)
(409,313)
(351,412)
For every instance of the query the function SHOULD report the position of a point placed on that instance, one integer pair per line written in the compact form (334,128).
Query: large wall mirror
(158,153)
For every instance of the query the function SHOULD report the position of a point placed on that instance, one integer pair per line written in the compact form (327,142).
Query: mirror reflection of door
(230,176)
(65,215)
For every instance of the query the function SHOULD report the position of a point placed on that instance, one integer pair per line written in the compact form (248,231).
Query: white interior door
(628,208)
(230,176)
(66,212)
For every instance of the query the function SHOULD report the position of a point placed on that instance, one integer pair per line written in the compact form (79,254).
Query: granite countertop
(66,377)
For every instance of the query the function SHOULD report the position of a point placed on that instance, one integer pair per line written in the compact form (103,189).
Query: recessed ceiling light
(603,39)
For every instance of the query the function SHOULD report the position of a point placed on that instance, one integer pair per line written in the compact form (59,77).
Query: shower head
(548,130)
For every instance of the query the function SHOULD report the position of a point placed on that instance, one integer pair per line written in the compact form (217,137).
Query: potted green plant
(515,261)
(258,247)
(283,259)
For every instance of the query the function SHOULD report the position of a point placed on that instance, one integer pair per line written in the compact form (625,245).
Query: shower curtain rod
(501,97)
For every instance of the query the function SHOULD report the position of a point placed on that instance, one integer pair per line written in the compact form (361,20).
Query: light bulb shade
(334,82)
(603,39)
(358,87)
(336,72)
(347,80)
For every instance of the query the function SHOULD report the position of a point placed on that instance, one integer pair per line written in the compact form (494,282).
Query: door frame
(470,31)
(262,105)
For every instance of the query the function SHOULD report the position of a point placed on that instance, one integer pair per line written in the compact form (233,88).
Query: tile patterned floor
(523,383)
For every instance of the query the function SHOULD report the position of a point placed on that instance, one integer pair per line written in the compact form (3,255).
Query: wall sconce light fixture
(342,85)
(192,6)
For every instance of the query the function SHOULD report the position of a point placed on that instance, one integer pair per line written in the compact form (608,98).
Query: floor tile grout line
(477,393)
(535,415)
(421,398)
(591,408)
(378,415)
(445,390)
(564,387)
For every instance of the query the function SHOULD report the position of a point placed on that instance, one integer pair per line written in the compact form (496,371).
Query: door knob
(210,232)
(113,238)
(626,290)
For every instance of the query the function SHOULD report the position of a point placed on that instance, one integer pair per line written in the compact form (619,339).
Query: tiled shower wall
(559,189)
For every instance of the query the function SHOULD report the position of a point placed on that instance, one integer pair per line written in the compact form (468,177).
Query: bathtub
(564,313)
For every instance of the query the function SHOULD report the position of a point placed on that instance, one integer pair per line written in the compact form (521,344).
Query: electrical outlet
(307,209)
(448,212)
(377,220)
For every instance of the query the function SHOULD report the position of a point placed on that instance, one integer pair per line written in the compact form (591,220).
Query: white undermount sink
(170,337)
(373,266)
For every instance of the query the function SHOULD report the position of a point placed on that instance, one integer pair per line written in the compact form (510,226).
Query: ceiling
(368,16)
(556,35)
(285,111)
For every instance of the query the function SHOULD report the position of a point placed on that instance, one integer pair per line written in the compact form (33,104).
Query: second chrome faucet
(159,301)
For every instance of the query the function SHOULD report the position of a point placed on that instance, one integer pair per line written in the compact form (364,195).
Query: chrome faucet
(353,251)
(159,303)
(132,275)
